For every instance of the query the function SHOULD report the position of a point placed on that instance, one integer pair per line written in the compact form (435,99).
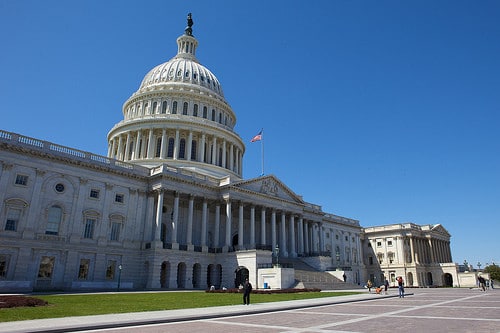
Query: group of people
(481,281)
(378,290)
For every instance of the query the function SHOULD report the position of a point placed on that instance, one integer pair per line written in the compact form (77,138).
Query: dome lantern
(187,43)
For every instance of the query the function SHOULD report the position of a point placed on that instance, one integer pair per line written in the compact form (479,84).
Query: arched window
(164,107)
(213,115)
(53,220)
(220,157)
(174,107)
(182,148)
(170,151)
(185,109)
(155,104)
(193,150)
(195,110)
(220,118)
(205,112)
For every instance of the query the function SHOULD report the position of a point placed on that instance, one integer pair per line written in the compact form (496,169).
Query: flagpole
(262,149)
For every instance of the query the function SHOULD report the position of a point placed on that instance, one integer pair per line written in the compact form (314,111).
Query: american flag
(258,137)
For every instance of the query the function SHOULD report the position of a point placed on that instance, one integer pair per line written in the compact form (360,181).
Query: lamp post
(466,265)
(277,250)
(119,275)
(479,265)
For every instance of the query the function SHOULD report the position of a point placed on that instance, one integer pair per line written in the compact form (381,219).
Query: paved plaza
(424,310)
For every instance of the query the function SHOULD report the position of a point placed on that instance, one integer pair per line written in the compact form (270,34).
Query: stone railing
(165,169)
(67,152)
(343,220)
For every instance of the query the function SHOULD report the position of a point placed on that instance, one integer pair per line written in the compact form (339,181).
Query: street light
(119,275)
(277,249)
(479,265)
(466,265)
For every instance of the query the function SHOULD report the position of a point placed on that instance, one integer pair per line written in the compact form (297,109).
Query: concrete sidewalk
(72,324)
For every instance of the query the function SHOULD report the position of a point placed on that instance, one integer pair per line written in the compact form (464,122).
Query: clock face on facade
(59,187)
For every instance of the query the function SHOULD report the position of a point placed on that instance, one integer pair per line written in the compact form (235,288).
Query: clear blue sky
(381,111)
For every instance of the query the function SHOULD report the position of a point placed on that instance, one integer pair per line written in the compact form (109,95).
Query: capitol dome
(179,117)
(183,68)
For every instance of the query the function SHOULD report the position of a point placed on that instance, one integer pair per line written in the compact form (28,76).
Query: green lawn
(95,304)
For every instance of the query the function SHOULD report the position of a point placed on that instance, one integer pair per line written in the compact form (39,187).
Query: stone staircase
(307,276)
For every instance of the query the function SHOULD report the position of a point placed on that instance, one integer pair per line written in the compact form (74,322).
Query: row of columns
(429,250)
(142,144)
(307,238)
(161,106)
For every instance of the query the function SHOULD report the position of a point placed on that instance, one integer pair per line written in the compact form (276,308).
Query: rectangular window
(390,257)
(46,267)
(379,244)
(83,272)
(389,243)
(115,231)
(3,267)
(54,220)
(94,193)
(89,228)
(158,147)
(110,270)
(21,180)
(119,198)
(13,216)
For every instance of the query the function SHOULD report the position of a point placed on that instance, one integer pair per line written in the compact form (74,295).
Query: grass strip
(68,305)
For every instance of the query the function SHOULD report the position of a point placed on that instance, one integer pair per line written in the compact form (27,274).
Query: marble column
(159,214)
(204,219)
(217,225)
(252,227)
(283,245)
(300,227)
(189,231)
(293,251)
(273,229)
(229,215)
(175,218)
(240,225)
(263,226)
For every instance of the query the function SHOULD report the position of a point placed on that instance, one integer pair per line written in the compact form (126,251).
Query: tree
(494,271)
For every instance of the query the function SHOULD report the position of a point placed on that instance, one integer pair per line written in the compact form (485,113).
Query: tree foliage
(494,271)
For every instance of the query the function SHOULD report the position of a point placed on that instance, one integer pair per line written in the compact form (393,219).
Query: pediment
(271,186)
(440,229)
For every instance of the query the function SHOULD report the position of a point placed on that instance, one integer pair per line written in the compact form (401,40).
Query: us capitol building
(168,207)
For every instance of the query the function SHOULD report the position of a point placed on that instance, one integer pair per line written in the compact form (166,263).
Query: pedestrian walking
(247,289)
(386,285)
(482,283)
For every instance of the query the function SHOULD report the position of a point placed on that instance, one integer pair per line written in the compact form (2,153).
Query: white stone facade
(166,209)
(70,219)
(420,254)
